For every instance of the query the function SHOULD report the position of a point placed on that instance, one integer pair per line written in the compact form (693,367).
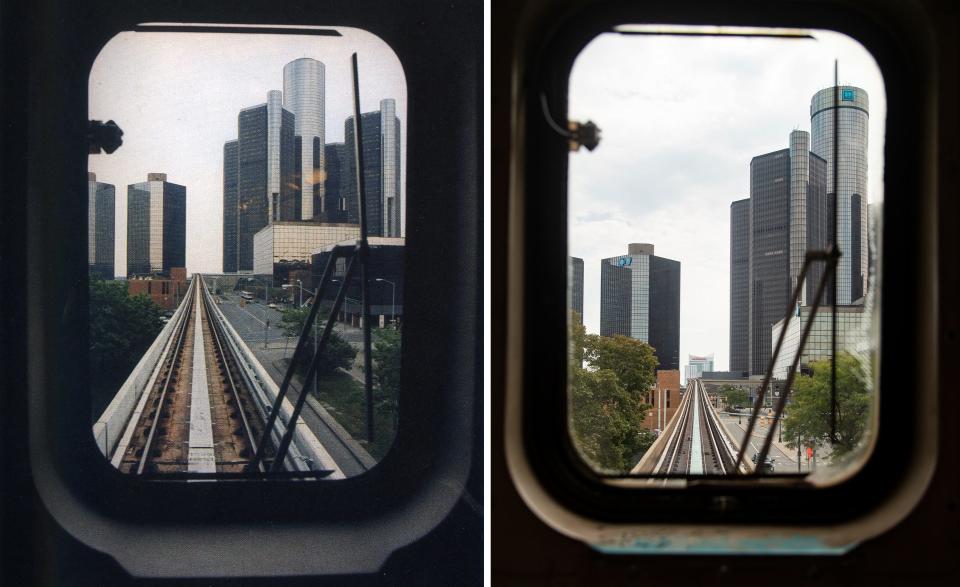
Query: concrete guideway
(694,442)
(200,455)
(165,418)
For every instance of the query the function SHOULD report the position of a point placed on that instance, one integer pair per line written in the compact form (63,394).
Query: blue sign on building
(848,95)
(624,261)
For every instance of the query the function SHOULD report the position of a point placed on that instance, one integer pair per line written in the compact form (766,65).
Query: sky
(176,96)
(680,118)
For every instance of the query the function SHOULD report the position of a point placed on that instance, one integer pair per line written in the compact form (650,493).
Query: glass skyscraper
(381,161)
(852,116)
(156,226)
(739,291)
(230,210)
(640,298)
(100,227)
(697,365)
(303,95)
(787,219)
(266,188)
(336,208)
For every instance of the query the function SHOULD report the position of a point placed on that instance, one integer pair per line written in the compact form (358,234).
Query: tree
(734,396)
(606,414)
(122,328)
(807,420)
(606,420)
(386,366)
(631,360)
(337,354)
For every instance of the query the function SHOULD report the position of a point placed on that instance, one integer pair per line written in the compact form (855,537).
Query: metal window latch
(105,136)
(583,134)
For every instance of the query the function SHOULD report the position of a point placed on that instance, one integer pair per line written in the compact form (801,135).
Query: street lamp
(300,284)
(393,313)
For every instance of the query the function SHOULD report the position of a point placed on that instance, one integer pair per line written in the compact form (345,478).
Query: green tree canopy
(807,417)
(386,365)
(606,420)
(734,396)
(122,328)
(632,361)
(337,354)
(606,407)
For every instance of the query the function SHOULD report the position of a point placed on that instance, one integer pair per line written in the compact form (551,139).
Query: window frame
(541,458)
(261,527)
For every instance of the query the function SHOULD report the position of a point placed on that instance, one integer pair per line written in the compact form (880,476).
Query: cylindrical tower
(303,95)
(852,116)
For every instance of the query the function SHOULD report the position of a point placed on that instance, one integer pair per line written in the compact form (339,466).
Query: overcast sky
(681,117)
(177,96)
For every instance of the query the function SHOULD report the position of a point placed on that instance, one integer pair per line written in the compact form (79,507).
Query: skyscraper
(852,114)
(640,298)
(156,226)
(266,188)
(697,366)
(576,286)
(787,195)
(303,95)
(336,185)
(100,227)
(739,285)
(381,161)
(230,210)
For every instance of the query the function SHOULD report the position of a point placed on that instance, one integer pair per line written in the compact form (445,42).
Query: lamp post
(393,311)
(300,284)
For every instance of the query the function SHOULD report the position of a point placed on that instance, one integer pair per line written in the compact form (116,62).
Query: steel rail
(713,433)
(214,328)
(182,328)
(681,439)
(671,441)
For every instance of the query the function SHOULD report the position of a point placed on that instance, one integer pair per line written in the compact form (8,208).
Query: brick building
(166,292)
(664,397)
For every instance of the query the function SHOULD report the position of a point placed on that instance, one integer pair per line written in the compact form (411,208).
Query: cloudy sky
(681,117)
(177,95)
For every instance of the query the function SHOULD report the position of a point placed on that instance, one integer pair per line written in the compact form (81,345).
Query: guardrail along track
(198,417)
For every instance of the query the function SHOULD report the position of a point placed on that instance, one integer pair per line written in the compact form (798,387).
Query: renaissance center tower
(303,95)
(852,113)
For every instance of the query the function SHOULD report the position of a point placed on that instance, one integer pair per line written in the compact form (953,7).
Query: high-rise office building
(640,298)
(100,227)
(852,115)
(303,95)
(230,210)
(336,185)
(697,365)
(575,269)
(739,290)
(381,161)
(156,226)
(266,190)
(787,219)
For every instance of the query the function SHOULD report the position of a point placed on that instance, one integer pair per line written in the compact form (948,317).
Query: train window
(697,231)
(222,129)
(718,151)
(209,233)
